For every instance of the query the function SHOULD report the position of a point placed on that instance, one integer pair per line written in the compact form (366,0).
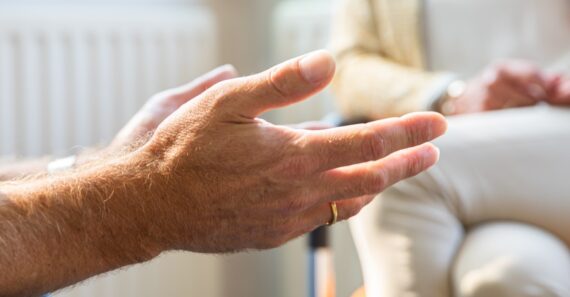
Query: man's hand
(237,182)
(212,178)
(508,84)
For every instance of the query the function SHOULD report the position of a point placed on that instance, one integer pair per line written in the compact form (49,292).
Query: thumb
(282,85)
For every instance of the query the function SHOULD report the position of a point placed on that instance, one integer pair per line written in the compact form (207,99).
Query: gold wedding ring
(334,212)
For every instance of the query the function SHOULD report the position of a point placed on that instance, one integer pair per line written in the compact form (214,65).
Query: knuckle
(294,206)
(230,84)
(373,145)
(375,183)
(417,133)
(415,165)
(227,90)
(296,167)
(276,83)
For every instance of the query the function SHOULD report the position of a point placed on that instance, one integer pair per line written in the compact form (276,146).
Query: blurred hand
(161,105)
(558,90)
(218,179)
(509,84)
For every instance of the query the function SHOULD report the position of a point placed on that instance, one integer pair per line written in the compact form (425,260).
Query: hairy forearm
(58,230)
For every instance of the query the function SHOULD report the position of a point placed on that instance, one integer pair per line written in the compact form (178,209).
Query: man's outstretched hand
(228,181)
(212,178)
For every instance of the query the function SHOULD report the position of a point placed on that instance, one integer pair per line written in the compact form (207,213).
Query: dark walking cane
(321,266)
(321,270)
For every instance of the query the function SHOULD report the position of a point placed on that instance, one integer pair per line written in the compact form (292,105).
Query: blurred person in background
(196,170)
(456,57)
(491,218)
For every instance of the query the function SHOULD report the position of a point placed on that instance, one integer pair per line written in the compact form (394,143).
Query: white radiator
(73,76)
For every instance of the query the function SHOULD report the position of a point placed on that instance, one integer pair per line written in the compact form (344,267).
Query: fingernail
(317,66)
(437,153)
(428,150)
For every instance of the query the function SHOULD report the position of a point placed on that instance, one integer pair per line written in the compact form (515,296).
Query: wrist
(446,105)
(126,187)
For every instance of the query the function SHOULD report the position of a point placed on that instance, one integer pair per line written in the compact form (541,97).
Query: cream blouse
(384,48)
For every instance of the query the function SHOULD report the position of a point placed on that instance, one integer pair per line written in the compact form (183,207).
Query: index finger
(183,93)
(369,142)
